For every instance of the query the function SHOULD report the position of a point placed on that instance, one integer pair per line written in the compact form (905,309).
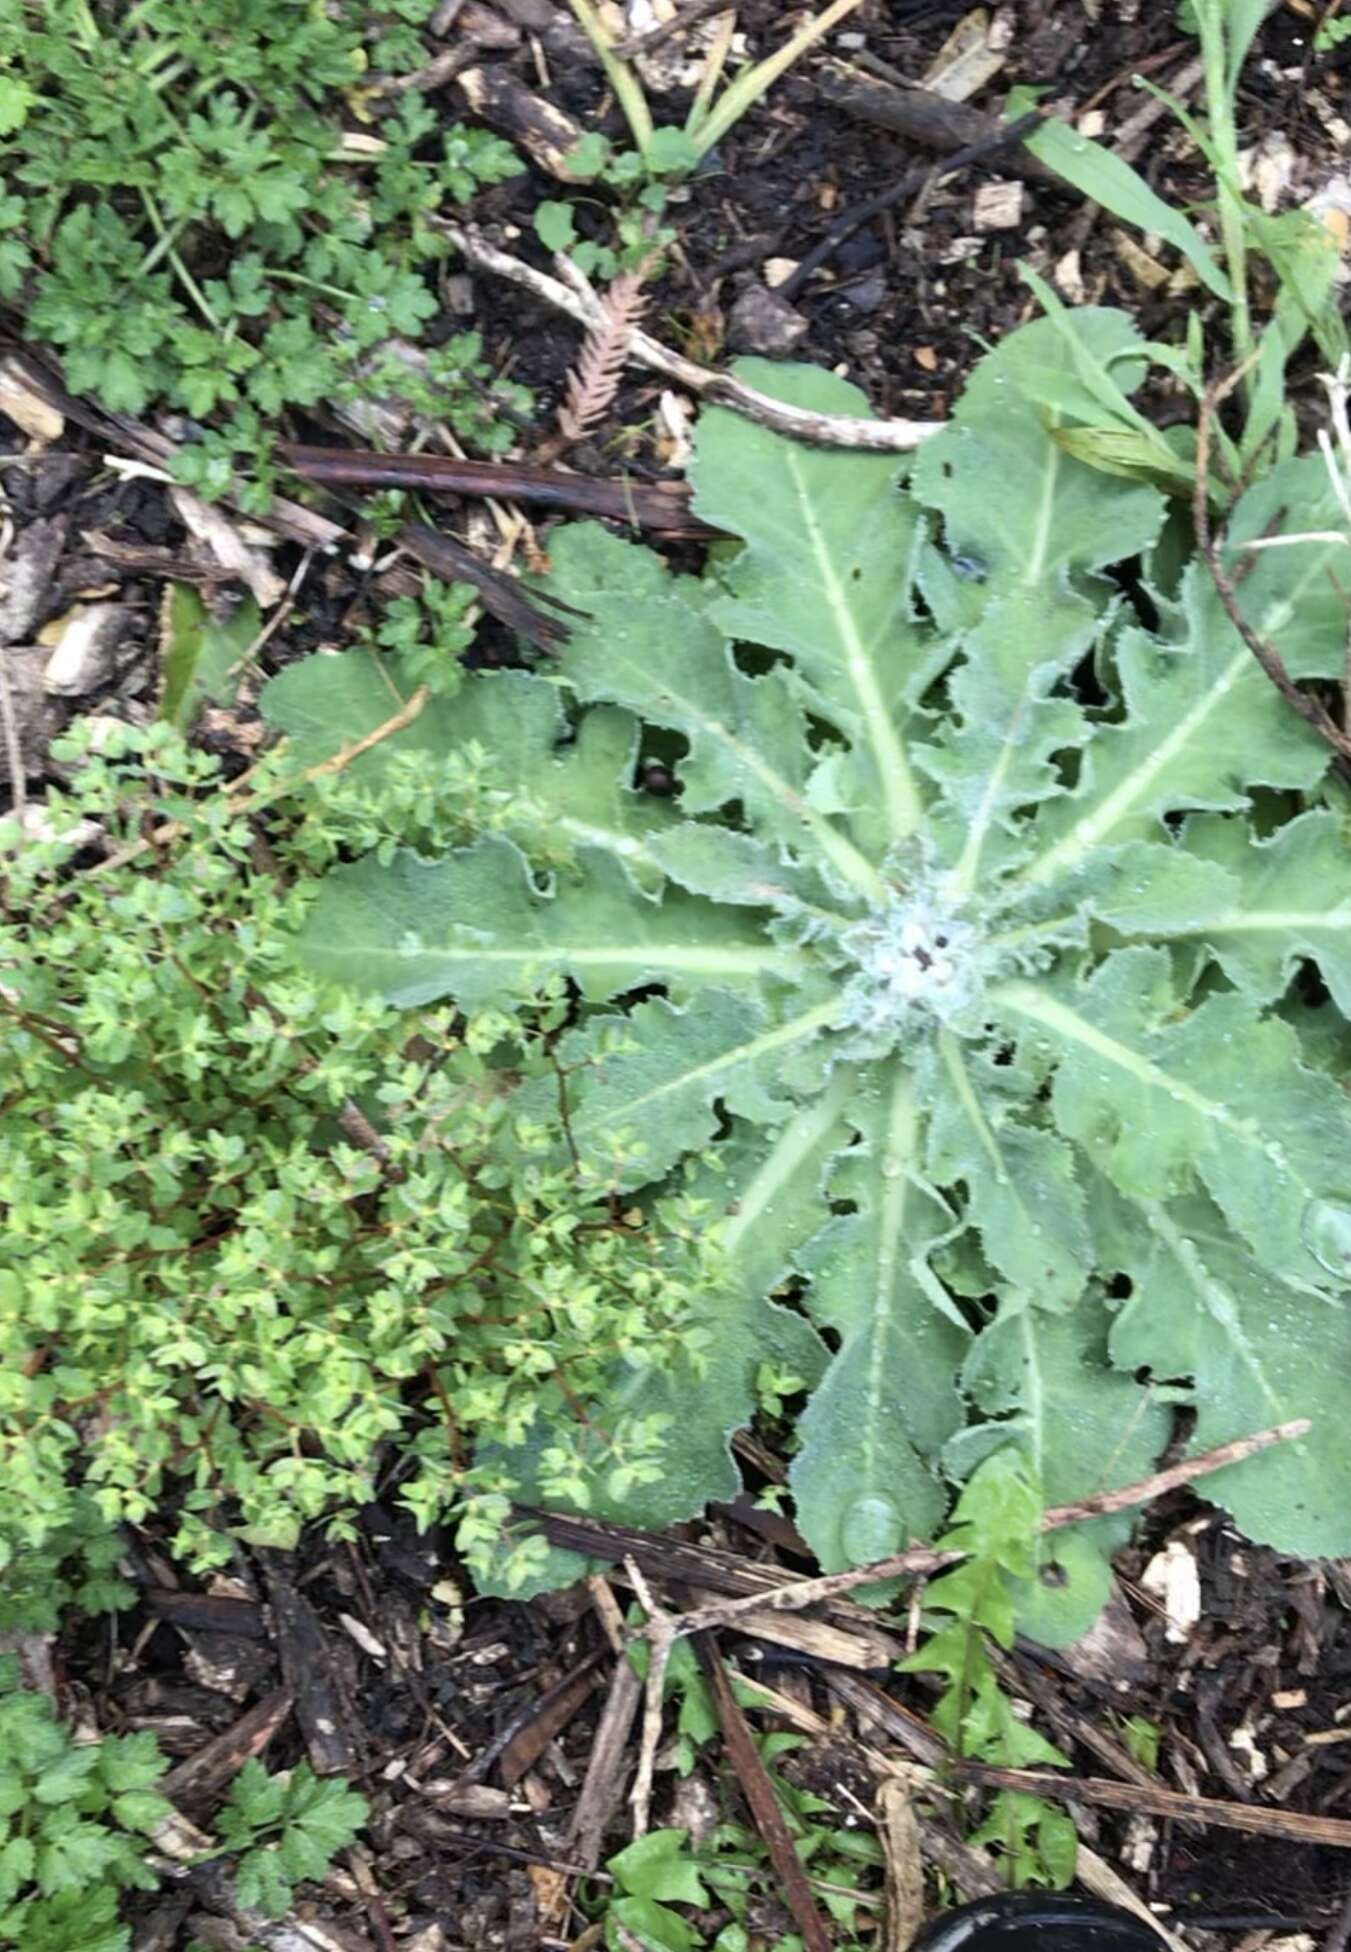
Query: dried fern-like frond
(594,379)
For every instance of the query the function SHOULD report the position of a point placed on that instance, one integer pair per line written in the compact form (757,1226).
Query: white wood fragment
(1172,1576)
(997,205)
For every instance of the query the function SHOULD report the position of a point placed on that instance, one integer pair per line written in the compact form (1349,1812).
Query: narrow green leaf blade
(1106,178)
(203,654)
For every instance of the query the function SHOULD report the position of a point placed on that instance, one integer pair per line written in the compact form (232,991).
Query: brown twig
(501,593)
(763,1803)
(660,505)
(599,367)
(898,1834)
(659,1632)
(718,389)
(9,724)
(438,71)
(924,1559)
(118,431)
(1148,1489)
(236,790)
(1257,1819)
(1312,710)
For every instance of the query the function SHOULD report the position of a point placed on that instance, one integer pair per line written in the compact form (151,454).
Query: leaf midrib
(904,808)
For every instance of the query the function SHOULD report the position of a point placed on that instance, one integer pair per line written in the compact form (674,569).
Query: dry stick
(1311,710)
(718,389)
(1258,1819)
(438,71)
(18,781)
(9,723)
(660,1635)
(764,1804)
(1148,1489)
(806,1592)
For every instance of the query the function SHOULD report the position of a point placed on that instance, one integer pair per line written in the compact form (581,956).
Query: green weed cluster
(76,1819)
(187,222)
(259,1233)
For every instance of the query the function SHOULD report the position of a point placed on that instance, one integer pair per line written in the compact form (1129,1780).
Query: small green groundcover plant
(984,982)
(77,1818)
(191,218)
(264,1240)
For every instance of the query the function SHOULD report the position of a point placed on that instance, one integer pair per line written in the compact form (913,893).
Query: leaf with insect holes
(507,729)
(971,976)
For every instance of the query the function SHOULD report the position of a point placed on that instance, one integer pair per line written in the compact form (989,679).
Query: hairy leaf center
(913,960)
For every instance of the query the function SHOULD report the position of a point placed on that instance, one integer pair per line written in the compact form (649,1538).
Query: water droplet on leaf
(1326,1227)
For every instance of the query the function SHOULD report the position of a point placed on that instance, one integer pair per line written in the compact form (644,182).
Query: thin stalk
(712,74)
(621,77)
(165,242)
(310,284)
(162,78)
(86,27)
(1224,142)
(752,83)
(185,277)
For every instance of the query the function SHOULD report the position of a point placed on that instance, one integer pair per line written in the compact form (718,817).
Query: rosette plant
(983,982)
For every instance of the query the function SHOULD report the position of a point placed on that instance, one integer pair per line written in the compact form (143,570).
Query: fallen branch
(717,389)
(761,1799)
(660,1636)
(663,506)
(1257,1819)
(921,116)
(924,1559)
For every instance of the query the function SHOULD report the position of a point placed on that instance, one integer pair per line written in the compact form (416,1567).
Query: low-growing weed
(1285,259)
(189,221)
(995,1524)
(77,1820)
(260,1237)
(986,974)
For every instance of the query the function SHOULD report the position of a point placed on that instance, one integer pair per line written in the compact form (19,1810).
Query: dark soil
(468,1722)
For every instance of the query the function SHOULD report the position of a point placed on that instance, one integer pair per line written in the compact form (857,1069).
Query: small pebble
(760,321)
(85,653)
